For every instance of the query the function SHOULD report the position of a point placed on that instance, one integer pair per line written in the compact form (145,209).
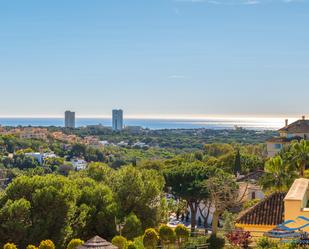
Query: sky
(154,57)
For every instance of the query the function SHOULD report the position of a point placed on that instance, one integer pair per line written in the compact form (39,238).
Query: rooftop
(270,212)
(97,243)
(299,126)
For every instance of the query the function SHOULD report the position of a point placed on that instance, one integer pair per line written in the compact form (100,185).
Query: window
(278,146)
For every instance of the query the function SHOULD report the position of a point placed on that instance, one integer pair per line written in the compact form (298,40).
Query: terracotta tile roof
(300,126)
(270,211)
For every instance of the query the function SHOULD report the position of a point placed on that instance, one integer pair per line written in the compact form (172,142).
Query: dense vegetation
(124,190)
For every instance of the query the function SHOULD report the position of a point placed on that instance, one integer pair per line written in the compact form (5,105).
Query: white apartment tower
(69,120)
(117,120)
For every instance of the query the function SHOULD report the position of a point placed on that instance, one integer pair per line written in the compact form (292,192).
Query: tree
(237,168)
(140,192)
(77,150)
(100,172)
(166,234)
(217,150)
(186,182)
(223,193)
(47,244)
(278,175)
(182,234)
(120,242)
(300,151)
(228,221)
(150,238)
(15,221)
(22,161)
(74,243)
(132,227)
(53,162)
(56,207)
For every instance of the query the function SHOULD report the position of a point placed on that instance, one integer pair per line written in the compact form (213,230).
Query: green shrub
(75,243)
(150,238)
(47,244)
(9,246)
(182,233)
(132,227)
(266,243)
(120,241)
(138,242)
(131,245)
(167,234)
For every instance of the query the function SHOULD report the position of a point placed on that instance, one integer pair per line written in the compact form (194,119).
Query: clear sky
(154,57)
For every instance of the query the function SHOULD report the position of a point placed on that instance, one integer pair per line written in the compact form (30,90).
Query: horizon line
(168,116)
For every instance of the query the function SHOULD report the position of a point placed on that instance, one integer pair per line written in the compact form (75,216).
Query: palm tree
(300,155)
(278,176)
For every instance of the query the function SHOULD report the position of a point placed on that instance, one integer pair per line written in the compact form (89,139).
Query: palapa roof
(299,126)
(269,212)
(97,243)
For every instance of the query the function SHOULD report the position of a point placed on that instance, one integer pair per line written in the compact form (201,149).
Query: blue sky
(154,57)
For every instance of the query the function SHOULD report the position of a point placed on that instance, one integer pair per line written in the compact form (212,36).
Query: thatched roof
(97,243)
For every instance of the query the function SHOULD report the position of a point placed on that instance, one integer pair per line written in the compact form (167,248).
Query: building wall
(117,120)
(69,119)
(290,135)
(250,191)
(295,208)
(256,230)
(273,149)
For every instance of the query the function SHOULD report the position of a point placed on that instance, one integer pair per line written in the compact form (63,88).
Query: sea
(157,124)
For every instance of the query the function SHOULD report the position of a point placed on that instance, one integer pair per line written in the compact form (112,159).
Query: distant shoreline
(155,124)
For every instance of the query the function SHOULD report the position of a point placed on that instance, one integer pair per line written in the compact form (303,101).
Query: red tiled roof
(269,211)
(300,126)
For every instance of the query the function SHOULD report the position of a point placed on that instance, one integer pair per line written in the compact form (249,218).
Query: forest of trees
(123,191)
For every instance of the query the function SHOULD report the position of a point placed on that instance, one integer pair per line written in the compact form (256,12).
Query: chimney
(303,117)
(286,123)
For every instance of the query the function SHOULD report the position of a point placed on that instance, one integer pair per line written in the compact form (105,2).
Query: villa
(290,210)
(295,131)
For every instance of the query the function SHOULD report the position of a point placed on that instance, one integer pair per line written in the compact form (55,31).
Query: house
(40,157)
(264,216)
(92,141)
(295,131)
(249,189)
(279,210)
(34,133)
(296,203)
(79,164)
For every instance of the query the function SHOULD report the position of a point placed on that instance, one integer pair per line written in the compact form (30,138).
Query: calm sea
(255,124)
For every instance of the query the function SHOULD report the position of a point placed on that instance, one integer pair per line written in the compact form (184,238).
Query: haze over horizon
(198,58)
